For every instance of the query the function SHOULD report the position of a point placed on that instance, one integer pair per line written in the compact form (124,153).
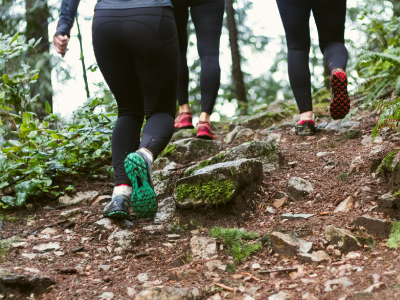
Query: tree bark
(37,16)
(82,58)
(237,74)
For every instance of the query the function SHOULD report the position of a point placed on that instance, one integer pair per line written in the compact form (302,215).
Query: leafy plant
(394,237)
(236,241)
(230,268)
(342,176)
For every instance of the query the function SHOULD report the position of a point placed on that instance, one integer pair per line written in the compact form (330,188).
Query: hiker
(330,18)
(207,16)
(136,47)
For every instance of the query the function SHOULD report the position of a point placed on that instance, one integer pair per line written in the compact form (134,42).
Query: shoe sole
(306,133)
(205,137)
(340,104)
(184,127)
(143,201)
(118,214)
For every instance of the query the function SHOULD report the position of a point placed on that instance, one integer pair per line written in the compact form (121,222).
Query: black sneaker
(120,202)
(306,127)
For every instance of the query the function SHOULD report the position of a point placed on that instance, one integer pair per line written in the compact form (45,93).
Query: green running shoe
(118,207)
(143,202)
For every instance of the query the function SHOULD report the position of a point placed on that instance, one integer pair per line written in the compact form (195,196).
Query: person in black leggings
(137,51)
(207,17)
(330,18)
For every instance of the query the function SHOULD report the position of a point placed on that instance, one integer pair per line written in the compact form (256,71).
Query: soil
(248,211)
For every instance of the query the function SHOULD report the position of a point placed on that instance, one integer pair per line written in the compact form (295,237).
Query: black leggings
(330,16)
(207,16)
(138,54)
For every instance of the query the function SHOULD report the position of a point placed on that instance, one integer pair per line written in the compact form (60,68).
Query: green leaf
(8,200)
(37,42)
(3,164)
(5,78)
(32,134)
(14,38)
(26,118)
(15,143)
(3,184)
(47,107)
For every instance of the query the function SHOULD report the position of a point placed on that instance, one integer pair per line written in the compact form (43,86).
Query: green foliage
(169,150)
(208,162)
(236,241)
(353,134)
(364,238)
(12,219)
(394,237)
(230,268)
(387,163)
(214,192)
(35,152)
(342,176)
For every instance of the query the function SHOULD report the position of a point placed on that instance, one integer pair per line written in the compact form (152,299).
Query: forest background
(44,134)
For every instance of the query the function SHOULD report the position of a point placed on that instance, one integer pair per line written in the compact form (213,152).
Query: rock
(215,297)
(161,184)
(280,296)
(36,284)
(377,149)
(102,200)
(167,292)
(297,216)
(19,245)
(346,205)
(160,163)
(29,255)
(103,224)
(191,149)
(105,268)
(49,231)
(390,205)
(276,136)
(344,281)
(32,270)
(343,238)
(212,265)
(256,266)
(203,248)
(107,296)
(375,287)
(166,208)
(239,135)
(377,227)
(153,227)
(231,135)
(122,239)
(257,121)
(378,140)
(366,141)
(79,198)
(278,203)
(339,126)
(269,210)
(46,247)
(356,164)
(131,292)
(59,253)
(320,154)
(180,273)
(353,255)
(299,187)
(69,213)
(143,277)
(217,184)
(287,246)
(183,134)
(292,164)
(318,257)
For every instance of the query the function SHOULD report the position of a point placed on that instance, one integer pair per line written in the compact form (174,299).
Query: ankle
(306,115)
(184,108)
(204,117)
(147,153)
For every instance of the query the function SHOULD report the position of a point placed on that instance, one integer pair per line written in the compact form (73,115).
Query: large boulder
(377,227)
(191,149)
(36,284)
(217,184)
(267,152)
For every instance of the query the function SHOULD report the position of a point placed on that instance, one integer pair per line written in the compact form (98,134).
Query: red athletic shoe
(204,131)
(340,102)
(184,121)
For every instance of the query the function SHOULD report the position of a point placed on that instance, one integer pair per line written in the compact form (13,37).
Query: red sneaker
(340,102)
(184,121)
(204,131)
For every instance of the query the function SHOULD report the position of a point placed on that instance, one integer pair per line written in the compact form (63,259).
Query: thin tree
(82,58)
(237,74)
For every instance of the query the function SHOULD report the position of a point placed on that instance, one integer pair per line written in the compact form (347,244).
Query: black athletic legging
(138,54)
(207,16)
(330,18)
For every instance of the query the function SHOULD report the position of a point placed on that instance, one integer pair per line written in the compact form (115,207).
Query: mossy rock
(184,134)
(259,121)
(267,152)
(162,180)
(191,149)
(217,184)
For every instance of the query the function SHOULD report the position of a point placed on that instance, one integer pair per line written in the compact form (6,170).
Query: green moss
(214,192)
(342,176)
(233,171)
(205,163)
(269,153)
(387,162)
(5,245)
(394,237)
(169,150)
(230,268)
(12,219)
(353,134)
(236,241)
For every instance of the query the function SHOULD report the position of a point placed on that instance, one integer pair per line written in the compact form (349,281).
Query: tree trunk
(237,74)
(37,15)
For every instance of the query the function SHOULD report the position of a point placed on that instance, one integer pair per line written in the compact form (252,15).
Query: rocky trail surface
(321,213)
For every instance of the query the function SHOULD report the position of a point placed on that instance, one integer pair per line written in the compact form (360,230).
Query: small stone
(280,296)
(46,247)
(122,239)
(211,265)
(29,255)
(104,268)
(32,270)
(103,224)
(102,200)
(292,164)
(318,257)
(79,198)
(19,245)
(320,154)
(69,213)
(203,248)
(59,253)
(333,282)
(375,287)
(356,164)
(49,231)
(346,205)
(297,216)
(68,271)
(366,141)
(353,255)
(143,277)
(255,266)
(168,292)
(278,203)
(107,296)
(269,210)
(287,246)
(299,187)
(343,238)
(131,292)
